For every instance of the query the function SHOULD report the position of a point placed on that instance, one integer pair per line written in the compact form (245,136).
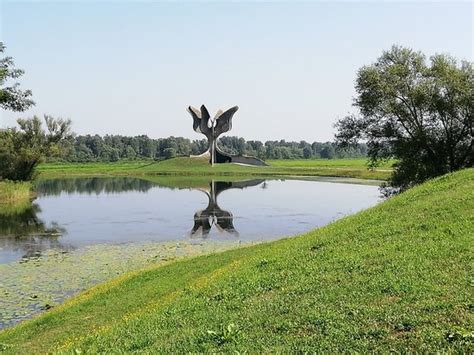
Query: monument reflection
(28,232)
(213,215)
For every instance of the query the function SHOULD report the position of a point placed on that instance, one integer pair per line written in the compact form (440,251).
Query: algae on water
(35,284)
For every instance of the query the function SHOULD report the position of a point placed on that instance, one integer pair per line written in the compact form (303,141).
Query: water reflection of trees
(96,185)
(24,231)
(213,214)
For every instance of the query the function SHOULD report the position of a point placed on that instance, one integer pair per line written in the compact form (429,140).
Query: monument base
(222,158)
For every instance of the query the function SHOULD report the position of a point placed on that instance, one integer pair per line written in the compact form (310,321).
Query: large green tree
(417,111)
(11,97)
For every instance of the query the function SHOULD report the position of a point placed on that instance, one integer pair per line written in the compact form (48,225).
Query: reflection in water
(203,219)
(26,235)
(23,232)
(77,212)
(213,214)
(95,185)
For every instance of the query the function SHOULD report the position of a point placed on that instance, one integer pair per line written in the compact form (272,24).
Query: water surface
(73,213)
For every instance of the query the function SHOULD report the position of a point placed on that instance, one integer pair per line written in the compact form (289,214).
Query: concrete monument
(213,128)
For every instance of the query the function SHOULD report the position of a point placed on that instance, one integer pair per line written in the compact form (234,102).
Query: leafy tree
(82,153)
(96,144)
(109,153)
(169,153)
(129,153)
(420,114)
(241,146)
(11,97)
(328,152)
(317,147)
(21,150)
(199,146)
(307,152)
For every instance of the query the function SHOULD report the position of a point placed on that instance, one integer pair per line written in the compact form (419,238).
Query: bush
(21,150)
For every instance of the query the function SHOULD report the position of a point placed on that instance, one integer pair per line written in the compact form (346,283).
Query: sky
(132,67)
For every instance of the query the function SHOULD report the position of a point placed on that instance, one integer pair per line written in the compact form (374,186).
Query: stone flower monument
(212,128)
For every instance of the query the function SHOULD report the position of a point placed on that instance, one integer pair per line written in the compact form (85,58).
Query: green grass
(354,168)
(12,193)
(396,277)
(340,163)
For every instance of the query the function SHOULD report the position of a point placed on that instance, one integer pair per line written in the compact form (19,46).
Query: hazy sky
(133,67)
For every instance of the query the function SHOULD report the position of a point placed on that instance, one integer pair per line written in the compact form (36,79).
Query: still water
(72,213)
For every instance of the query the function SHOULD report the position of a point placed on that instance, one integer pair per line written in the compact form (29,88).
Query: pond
(81,231)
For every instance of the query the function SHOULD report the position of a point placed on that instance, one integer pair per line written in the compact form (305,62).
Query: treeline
(88,148)
(95,185)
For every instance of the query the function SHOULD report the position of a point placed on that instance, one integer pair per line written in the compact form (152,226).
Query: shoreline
(61,275)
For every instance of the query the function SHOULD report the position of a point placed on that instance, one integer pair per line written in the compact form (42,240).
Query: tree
(307,152)
(95,144)
(21,150)
(420,114)
(241,146)
(328,152)
(169,153)
(129,153)
(11,97)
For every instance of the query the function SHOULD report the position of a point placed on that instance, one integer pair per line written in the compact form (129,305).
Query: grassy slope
(393,277)
(198,166)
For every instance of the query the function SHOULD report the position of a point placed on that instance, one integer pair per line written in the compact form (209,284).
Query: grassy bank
(354,168)
(395,277)
(13,193)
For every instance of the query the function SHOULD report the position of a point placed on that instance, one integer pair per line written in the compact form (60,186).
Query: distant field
(393,278)
(349,163)
(354,168)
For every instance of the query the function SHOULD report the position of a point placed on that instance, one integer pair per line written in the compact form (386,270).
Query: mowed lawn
(355,168)
(396,277)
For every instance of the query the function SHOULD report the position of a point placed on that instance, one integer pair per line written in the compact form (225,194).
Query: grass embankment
(396,277)
(14,196)
(354,168)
